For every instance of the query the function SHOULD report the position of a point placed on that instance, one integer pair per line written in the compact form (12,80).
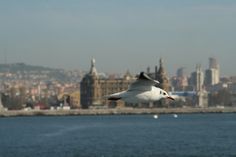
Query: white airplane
(142,90)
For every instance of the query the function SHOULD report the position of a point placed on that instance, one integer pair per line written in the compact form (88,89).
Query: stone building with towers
(160,75)
(94,87)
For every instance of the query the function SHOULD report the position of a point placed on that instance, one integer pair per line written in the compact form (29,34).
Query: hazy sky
(119,34)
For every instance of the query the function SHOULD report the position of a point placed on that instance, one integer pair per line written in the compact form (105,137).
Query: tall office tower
(201,95)
(212,75)
(180,72)
(181,80)
(213,63)
(197,78)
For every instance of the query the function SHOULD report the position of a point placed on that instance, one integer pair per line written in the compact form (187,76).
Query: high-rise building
(212,75)
(181,72)
(181,81)
(213,63)
(197,79)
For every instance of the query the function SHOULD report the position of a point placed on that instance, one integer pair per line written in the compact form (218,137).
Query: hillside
(20,67)
(24,71)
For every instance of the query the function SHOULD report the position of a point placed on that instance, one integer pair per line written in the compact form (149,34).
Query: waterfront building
(160,74)
(89,88)
(94,88)
(75,99)
(70,93)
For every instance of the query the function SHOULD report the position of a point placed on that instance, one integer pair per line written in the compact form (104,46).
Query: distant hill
(20,67)
(25,71)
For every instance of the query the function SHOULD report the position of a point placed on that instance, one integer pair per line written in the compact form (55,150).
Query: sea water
(185,135)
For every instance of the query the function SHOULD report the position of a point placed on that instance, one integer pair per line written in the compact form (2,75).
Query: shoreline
(115,111)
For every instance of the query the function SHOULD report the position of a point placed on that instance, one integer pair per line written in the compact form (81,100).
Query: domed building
(90,88)
(93,88)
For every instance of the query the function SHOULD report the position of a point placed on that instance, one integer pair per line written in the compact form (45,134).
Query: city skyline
(120,35)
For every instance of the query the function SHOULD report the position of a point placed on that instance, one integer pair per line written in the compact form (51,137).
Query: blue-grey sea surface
(188,135)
